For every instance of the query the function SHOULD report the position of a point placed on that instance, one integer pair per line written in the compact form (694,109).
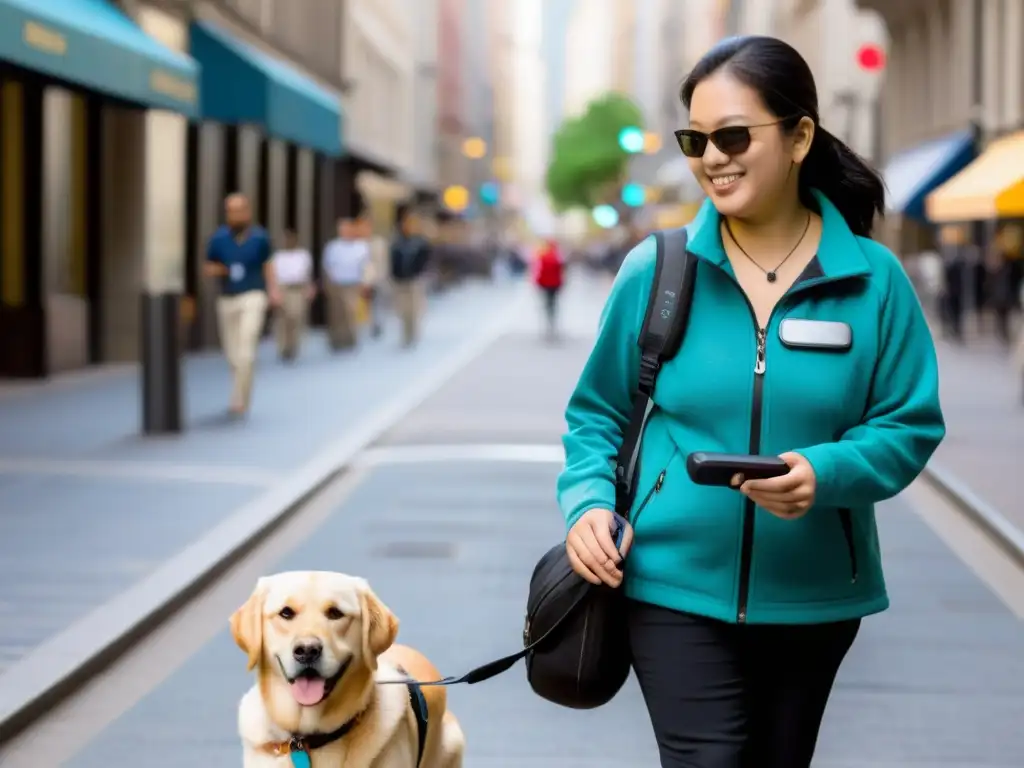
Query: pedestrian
(410,255)
(953,253)
(375,275)
(344,261)
(239,256)
(549,275)
(805,340)
(293,268)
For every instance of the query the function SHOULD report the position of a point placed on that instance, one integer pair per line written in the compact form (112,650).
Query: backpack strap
(668,313)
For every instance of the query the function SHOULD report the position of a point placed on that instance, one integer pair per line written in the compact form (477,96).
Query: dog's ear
(247,625)
(380,626)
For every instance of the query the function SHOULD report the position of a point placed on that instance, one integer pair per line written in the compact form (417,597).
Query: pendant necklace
(771,275)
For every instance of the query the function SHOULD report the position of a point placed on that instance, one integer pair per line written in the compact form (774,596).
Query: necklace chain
(770,275)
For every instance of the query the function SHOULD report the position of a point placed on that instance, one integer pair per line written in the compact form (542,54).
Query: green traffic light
(631,139)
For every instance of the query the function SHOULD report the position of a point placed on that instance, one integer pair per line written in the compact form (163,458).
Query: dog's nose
(308,652)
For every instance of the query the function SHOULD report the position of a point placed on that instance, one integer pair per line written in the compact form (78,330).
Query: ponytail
(849,183)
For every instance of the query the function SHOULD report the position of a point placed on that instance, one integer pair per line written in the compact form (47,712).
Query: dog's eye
(286,613)
(334,614)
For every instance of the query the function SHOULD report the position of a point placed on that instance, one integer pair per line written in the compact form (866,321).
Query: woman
(744,601)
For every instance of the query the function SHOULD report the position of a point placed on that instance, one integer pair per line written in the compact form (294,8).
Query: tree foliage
(587,164)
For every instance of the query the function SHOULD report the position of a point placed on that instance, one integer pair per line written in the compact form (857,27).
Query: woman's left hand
(789,496)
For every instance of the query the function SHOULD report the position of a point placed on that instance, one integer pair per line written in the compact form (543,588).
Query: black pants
(734,695)
(551,306)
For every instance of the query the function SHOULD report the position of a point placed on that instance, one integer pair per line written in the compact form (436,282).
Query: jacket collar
(840,254)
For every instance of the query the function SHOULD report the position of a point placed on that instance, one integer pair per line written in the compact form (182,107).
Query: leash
(498,666)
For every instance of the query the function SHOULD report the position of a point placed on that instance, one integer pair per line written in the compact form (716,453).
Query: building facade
(380,51)
(532,139)
(452,128)
(122,130)
(829,34)
(953,86)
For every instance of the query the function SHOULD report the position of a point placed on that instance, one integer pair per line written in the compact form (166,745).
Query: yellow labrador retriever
(323,645)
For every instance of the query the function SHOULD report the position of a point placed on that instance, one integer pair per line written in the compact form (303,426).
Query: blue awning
(91,43)
(242,85)
(911,175)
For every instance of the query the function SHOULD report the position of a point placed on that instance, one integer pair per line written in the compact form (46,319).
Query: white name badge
(237,272)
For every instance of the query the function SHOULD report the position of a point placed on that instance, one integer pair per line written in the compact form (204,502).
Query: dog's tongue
(308,691)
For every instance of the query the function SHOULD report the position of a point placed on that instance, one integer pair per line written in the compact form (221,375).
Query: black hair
(780,75)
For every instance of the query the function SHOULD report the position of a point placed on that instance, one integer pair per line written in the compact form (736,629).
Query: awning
(91,43)
(242,85)
(991,187)
(911,175)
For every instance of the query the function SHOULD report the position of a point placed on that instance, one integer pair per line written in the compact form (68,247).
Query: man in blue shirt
(239,256)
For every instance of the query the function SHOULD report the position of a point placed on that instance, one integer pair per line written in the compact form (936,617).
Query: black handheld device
(720,468)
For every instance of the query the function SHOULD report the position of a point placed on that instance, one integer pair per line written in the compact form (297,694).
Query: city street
(90,507)
(446,514)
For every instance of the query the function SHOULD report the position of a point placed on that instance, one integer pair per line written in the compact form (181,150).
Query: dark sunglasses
(732,140)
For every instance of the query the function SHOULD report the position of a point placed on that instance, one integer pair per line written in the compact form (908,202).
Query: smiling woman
(810,346)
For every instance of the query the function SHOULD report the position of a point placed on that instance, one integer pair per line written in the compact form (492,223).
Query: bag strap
(668,313)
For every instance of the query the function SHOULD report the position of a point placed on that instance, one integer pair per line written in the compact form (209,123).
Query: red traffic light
(871,57)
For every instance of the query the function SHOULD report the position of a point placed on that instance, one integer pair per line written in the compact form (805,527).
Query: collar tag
(300,759)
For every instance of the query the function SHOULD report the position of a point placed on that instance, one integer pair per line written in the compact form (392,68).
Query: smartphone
(719,468)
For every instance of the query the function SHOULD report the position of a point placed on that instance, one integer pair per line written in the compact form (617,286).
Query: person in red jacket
(549,276)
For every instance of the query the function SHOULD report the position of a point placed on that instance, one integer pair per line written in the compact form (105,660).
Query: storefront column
(165,147)
(277,189)
(305,197)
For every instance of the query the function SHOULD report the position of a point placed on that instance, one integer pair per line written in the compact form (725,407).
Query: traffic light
(605,216)
(490,193)
(631,139)
(634,195)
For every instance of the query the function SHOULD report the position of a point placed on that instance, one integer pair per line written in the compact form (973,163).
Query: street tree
(588,165)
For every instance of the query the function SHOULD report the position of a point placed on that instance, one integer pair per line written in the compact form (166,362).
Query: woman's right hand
(591,548)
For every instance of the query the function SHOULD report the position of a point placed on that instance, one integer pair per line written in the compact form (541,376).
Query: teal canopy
(242,85)
(93,44)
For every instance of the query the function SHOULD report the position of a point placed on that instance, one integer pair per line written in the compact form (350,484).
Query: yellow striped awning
(991,187)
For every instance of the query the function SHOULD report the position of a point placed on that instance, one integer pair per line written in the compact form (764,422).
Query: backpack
(575,638)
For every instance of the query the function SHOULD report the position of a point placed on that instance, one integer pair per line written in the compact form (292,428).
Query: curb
(1005,534)
(53,671)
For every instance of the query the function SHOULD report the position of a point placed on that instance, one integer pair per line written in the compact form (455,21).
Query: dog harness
(298,748)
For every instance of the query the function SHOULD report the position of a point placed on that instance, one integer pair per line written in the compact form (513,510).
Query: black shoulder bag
(575,641)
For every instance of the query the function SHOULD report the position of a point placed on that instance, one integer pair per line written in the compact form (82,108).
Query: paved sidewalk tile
(88,507)
(984,445)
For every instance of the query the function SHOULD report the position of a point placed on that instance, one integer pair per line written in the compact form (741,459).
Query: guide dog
(322,645)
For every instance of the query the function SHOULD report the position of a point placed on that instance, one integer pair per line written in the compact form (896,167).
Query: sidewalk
(88,507)
(984,445)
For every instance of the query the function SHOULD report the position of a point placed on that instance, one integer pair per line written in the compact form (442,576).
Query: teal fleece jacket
(866,417)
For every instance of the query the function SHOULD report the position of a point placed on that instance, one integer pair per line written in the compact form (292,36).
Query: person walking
(806,341)
(238,255)
(293,268)
(549,275)
(410,254)
(344,261)
(375,274)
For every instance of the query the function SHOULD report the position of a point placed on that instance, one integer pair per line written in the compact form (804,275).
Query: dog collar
(298,747)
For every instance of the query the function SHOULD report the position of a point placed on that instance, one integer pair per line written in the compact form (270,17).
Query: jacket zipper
(753,448)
